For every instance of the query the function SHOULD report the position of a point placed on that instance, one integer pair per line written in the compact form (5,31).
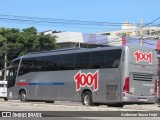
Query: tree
(7,36)
(14,43)
(34,42)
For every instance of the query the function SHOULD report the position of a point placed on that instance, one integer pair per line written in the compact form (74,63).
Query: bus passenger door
(11,82)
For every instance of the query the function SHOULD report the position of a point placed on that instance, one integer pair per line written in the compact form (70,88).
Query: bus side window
(82,61)
(52,63)
(38,64)
(96,60)
(67,61)
(112,58)
(26,66)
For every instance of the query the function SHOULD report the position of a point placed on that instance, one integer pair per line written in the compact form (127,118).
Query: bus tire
(87,99)
(116,105)
(158,100)
(5,99)
(49,102)
(22,96)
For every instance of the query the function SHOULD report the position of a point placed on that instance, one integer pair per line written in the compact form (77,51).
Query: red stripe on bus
(158,45)
(22,84)
(123,41)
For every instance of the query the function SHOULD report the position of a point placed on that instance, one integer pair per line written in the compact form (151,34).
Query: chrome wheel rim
(87,100)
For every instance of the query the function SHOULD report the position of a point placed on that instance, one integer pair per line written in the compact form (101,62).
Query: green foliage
(17,43)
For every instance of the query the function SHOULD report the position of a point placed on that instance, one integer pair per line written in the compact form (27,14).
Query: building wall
(69,37)
(131,30)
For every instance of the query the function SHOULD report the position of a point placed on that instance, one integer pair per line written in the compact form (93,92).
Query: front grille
(142,77)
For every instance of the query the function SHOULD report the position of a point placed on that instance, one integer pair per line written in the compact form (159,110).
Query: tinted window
(67,62)
(26,66)
(15,65)
(112,58)
(52,63)
(38,64)
(82,60)
(97,59)
(32,65)
(11,77)
(105,59)
(92,60)
(12,73)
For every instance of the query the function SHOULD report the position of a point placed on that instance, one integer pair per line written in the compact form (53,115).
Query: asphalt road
(72,107)
(69,106)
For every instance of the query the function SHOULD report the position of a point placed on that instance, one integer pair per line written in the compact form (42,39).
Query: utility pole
(141,32)
(79,45)
(5,61)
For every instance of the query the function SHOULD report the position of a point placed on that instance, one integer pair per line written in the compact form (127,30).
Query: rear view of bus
(140,76)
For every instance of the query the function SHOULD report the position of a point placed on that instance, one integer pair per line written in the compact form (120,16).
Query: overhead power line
(56,21)
(67,22)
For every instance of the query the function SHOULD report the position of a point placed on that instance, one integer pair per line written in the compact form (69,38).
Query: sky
(114,11)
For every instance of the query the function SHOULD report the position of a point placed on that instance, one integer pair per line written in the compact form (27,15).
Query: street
(16,105)
(66,108)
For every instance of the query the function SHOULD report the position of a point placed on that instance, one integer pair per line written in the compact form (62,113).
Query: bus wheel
(5,99)
(116,105)
(87,99)
(158,100)
(22,96)
(49,101)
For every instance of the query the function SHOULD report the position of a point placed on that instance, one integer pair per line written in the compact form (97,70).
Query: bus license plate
(142,99)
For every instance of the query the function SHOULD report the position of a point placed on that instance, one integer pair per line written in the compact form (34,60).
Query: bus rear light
(155,87)
(126,86)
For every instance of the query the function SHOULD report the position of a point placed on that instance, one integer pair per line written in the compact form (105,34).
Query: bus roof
(68,51)
(73,50)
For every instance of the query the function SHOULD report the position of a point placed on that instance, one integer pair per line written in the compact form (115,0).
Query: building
(78,39)
(131,30)
(129,34)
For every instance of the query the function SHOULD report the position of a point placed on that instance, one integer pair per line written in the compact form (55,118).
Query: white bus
(3,87)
